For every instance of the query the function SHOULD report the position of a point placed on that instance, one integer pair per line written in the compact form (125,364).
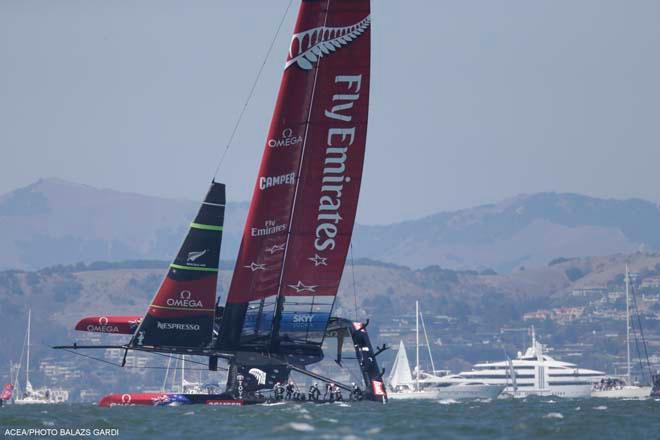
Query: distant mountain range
(57,222)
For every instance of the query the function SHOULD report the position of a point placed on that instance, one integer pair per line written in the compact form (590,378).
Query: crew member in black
(314,392)
(278,390)
(290,388)
(356,393)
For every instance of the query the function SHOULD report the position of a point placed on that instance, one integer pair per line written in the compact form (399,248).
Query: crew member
(290,388)
(356,392)
(314,392)
(278,390)
(327,394)
(337,393)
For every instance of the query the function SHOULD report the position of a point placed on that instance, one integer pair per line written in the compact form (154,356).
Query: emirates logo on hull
(308,47)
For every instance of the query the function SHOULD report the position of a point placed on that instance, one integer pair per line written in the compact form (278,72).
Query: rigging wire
(639,353)
(252,89)
(428,344)
(354,284)
(167,373)
(20,362)
(641,333)
(98,359)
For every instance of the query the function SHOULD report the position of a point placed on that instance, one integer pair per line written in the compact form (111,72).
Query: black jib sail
(181,313)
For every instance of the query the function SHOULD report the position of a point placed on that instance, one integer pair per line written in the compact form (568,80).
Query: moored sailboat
(30,395)
(430,385)
(622,387)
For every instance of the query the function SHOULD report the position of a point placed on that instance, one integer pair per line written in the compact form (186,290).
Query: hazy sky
(471,101)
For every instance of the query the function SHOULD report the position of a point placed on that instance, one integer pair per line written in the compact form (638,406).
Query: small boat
(6,394)
(431,385)
(655,392)
(31,395)
(623,387)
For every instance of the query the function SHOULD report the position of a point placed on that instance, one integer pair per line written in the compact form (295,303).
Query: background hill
(57,222)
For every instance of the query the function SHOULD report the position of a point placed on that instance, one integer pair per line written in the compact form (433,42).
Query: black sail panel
(181,313)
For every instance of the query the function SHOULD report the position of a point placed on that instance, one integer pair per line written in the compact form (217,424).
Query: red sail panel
(327,197)
(327,69)
(323,98)
(259,263)
(331,172)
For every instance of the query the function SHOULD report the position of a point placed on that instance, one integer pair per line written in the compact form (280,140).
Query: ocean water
(500,419)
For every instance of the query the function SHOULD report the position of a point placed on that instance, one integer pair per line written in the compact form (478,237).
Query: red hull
(165,399)
(120,325)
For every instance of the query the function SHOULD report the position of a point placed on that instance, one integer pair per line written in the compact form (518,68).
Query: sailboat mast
(417,345)
(628,325)
(27,358)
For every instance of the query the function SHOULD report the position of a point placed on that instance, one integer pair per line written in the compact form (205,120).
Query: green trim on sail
(206,227)
(201,269)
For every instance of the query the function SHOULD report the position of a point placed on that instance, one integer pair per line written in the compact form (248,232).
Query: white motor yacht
(535,373)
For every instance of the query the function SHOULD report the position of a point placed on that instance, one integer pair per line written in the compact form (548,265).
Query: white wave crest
(302,427)
(553,415)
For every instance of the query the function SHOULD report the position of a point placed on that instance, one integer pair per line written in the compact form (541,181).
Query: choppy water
(510,419)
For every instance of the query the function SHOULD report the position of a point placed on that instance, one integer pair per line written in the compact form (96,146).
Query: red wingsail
(303,207)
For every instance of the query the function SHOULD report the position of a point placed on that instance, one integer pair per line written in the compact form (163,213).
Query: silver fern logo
(258,374)
(313,44)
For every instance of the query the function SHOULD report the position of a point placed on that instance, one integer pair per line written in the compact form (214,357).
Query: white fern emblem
(259,375)
(313,44)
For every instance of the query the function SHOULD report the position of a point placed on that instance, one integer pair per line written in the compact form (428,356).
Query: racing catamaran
(297,235)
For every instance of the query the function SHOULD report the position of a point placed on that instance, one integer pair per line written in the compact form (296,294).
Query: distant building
(650,282)
(589,291)
(537,315)
(563,314)
(560,314)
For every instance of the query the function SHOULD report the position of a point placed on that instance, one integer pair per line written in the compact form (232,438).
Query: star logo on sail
(275,248)
(318,260)
(300,287)
(255,267)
